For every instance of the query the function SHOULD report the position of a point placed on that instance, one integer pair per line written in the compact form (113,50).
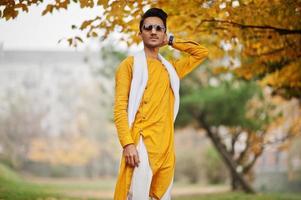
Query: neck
(151,52)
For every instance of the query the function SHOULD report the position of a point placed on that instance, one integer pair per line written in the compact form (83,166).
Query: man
(146,105)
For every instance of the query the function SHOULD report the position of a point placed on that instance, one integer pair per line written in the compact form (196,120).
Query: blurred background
(238,129)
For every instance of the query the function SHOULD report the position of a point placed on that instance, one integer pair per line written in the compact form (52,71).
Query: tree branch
(273,51)
(233,142)
(281,31)
(278,140)
(249,166)
(244,152)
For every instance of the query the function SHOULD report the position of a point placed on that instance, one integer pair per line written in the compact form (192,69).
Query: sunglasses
(157,27)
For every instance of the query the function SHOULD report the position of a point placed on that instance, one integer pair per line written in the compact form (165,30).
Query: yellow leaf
(219,70)
(79,39)
(49,8)
(94,34)
(85,24)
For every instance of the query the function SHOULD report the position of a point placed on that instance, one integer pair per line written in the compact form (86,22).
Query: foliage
(222,105)
(238,117)
(264,35)
(62,150)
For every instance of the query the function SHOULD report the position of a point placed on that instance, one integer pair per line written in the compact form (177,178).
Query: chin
(152,45)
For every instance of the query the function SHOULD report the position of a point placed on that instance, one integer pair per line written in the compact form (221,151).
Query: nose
(153,30)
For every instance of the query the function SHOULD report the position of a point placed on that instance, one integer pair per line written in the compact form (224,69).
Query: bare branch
(249,166)
(281,31)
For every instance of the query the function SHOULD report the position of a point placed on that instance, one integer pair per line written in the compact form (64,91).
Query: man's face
(154,37)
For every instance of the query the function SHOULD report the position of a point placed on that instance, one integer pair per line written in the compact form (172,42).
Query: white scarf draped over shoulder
(139,81)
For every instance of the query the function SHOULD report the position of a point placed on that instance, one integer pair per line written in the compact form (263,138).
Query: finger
(136,159)
(131,159)
(126,160)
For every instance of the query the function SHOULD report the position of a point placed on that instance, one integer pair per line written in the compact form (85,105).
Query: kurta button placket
(142,114)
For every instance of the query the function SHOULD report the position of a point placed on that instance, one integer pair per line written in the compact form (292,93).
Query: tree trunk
(232,165)
(234,183)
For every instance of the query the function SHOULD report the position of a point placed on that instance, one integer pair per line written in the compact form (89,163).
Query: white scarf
(139,81)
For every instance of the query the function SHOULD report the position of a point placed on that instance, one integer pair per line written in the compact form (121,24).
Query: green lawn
(13,187)
(241,196)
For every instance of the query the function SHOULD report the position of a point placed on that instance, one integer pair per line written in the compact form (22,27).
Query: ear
(139,35)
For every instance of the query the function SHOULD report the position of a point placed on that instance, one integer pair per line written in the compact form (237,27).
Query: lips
(154,38)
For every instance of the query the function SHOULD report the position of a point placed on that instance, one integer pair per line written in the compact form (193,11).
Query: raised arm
(123,77)
(196,55)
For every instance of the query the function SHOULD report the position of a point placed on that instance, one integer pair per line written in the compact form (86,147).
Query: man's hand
(131,155)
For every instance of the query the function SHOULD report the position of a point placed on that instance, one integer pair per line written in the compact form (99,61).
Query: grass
(13,187)
(103,185)
(242,196)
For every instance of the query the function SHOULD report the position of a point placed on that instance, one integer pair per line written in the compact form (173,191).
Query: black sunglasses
(157,27)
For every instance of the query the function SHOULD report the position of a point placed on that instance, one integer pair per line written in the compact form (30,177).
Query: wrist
(170,39)
(127,145)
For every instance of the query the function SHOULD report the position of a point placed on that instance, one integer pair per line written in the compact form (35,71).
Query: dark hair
(153,12)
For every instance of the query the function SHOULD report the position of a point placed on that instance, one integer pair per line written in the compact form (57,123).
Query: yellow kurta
(154,118)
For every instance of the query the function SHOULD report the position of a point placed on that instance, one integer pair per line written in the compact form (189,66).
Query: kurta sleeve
(196,55)
(123,77)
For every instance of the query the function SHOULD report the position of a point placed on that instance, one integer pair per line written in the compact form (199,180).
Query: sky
(31,31)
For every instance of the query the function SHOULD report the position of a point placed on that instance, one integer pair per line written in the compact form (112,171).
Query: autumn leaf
(79,39)
(48,9)
(85,24)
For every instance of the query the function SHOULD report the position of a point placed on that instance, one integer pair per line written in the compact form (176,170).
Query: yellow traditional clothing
(154,118)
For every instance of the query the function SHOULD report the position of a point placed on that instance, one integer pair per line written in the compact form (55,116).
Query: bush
(214,169)
(188,167)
